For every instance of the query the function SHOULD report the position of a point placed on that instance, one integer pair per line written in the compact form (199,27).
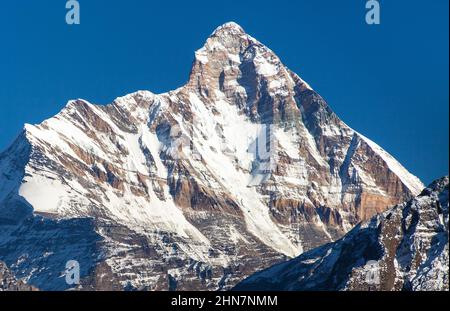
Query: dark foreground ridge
(404,248)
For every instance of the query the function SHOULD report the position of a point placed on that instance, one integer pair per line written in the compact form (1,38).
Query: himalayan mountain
(404,248)
(243,167)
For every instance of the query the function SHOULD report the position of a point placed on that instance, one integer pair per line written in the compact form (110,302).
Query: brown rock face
(198,187)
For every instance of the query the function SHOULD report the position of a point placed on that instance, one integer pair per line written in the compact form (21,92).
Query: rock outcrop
(9,283)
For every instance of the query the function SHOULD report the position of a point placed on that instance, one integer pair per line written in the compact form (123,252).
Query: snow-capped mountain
(404,248)
(195,188)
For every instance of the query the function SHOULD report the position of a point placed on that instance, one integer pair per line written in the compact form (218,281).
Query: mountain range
(243,167)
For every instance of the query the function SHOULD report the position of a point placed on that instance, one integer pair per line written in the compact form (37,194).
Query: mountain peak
(229,38)
(438,186)
(243,165)
(242,70)
(228,28)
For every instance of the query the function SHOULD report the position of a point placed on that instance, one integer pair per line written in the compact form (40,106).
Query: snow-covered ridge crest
(411,181)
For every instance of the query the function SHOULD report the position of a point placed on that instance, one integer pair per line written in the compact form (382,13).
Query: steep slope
(404,248)
(195,188)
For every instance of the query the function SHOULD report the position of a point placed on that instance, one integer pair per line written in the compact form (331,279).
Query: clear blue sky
(390,82)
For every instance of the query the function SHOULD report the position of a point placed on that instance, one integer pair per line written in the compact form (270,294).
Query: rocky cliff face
(9,283)
(191,189)
(404,248)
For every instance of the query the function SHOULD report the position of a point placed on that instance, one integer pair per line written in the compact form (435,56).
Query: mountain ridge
(198,187)
(404,248)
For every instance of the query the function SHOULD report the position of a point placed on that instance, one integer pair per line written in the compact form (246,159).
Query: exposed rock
(9,283)
(404,248)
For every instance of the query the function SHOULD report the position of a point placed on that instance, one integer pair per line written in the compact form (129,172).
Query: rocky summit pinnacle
(229,27)
(197,188)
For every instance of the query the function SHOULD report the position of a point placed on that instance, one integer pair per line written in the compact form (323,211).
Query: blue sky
(389,82)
